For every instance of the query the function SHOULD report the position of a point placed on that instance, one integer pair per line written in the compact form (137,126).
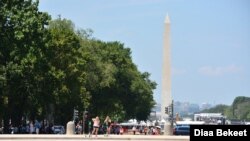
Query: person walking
(121,130)
(96,125)
(37,127)
(107,125)
(32,128)
(88,129)
(134,130)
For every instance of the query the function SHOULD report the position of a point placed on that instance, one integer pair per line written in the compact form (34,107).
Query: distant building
(205,106)
(210,118)
(182,108)
(185,108)
(155,113)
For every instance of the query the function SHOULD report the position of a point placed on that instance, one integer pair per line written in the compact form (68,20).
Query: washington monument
(166,72)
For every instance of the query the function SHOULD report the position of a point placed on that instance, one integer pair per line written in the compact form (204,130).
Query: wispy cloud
(219,71)
(178,71)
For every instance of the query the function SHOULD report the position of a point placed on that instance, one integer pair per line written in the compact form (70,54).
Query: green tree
(115,83)
(48,68)
(66,70)
(221,108)
(240,107)
(22,38)
(238,110)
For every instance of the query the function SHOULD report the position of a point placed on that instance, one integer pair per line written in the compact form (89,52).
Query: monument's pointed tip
(167,20)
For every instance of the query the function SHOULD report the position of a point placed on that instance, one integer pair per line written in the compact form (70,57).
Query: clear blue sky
(210,41)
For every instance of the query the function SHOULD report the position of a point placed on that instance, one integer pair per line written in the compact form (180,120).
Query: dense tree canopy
(241,108)
(48,68)
(238,110)
(22,40)
(217,109)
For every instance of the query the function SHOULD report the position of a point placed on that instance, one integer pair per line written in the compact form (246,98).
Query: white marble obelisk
(166,74)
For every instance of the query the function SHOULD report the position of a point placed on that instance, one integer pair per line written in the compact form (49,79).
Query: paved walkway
(6,137)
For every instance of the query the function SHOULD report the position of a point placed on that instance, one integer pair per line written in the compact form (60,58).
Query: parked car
(181,130)
(58,129)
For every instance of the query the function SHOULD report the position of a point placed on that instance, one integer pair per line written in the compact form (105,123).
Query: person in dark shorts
(96,125)
(107,125)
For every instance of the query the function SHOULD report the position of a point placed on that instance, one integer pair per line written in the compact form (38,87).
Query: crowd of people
(28,127)
(89,127)
(94,127)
